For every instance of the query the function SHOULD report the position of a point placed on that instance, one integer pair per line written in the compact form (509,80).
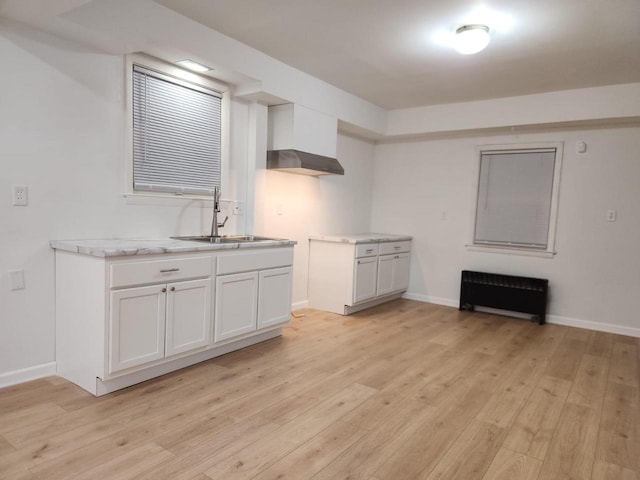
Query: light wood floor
(406,390)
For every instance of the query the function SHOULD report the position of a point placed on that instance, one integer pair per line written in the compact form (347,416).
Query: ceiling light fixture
(193,66)
(471,39)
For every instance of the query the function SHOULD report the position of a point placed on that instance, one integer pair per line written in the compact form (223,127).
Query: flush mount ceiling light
(471,38)
(193,66)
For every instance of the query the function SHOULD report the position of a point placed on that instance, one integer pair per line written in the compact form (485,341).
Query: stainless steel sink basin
(226,238)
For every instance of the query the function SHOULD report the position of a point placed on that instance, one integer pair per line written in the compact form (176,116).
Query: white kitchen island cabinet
(126,313)
(348,273)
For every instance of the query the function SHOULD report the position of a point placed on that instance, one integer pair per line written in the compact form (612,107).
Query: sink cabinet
(123,320)
(153,322)
(347,277)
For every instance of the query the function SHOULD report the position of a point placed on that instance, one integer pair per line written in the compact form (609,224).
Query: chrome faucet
(216,209)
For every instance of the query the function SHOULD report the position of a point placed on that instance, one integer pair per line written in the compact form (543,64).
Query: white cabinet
(364,279)
(137,326)
(393,273)
(153,322)
(347,277)
(274,298)
(253,292)
(236,305)
(188,324)
(123,320)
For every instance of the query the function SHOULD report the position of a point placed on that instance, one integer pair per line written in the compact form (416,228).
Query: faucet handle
(220,225)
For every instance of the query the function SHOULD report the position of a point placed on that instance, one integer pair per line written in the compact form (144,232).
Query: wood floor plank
(600,344)
(624,364)
(591,379)
(572,449)
(5,446)
(510,465)
(607,471)
(405,390)
(263,453)
(471,454)
(535,425)
(368,454)
(312,456)
(566,360)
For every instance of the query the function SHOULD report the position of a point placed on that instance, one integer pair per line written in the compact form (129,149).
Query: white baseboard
(428,299)
(554,319)
(298,305)
(27,374)
(589,325)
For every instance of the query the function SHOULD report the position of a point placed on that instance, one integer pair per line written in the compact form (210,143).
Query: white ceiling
(385,51)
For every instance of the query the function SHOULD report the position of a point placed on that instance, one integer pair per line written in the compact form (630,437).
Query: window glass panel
(514,198)
(176,136)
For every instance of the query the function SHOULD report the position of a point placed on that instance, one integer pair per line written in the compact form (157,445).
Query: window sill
(167,200)
(511,251)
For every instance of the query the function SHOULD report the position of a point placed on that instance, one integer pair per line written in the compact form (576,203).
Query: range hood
(303,163)
(303,141)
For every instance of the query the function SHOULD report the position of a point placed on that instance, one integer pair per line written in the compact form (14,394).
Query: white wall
(596,271)
(316,205)
(61,134)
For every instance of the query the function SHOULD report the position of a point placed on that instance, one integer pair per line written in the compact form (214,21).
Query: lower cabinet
(250,301)
(347,277)
(123,320)
(236,305)
(393,273)
(274,297)
(153,322)
(364,282)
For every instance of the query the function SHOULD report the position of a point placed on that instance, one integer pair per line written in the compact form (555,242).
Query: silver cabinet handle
(369,251)
(397,247)
(397,256)
(168,270)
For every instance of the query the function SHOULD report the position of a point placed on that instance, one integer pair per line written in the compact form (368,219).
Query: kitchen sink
(226,238)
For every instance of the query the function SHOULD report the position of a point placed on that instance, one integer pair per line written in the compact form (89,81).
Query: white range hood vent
(303,163)
(302,141)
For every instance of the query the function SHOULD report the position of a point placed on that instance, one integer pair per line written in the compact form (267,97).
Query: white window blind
(514,198)
(176,135)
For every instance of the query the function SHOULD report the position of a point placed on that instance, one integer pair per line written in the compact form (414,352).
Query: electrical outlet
(238,208)
(20,196)
(612,215)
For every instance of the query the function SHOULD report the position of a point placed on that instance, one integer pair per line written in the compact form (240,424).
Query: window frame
(550,251)
(181,77)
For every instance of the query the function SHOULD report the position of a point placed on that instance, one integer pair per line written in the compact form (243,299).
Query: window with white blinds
(176,135)
(515,198)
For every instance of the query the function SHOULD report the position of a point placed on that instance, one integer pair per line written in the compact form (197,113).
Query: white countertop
(361,238)
(116,247)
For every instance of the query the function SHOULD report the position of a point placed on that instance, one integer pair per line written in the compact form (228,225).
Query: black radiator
(505,292)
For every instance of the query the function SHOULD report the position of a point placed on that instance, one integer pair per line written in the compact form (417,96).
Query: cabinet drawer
(156,271)
(395,247)
(366,250)
(252,261)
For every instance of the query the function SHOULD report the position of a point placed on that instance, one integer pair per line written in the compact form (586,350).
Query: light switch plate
(17,279)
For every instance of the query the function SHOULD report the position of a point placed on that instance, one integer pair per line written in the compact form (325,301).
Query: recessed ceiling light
(471,38)
(194,66)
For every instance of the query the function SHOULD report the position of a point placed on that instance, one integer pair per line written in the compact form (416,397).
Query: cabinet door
(274,297)
(188,316)
(236,305)
(364,280)
(385,275)
(136,326)
(401,271)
